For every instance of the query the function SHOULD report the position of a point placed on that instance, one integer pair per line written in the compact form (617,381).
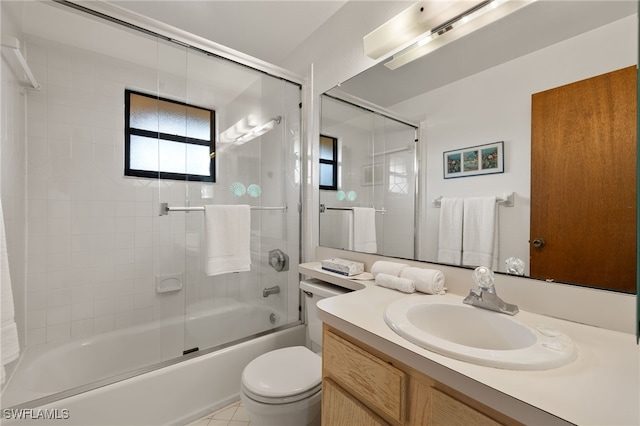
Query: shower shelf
(165,209)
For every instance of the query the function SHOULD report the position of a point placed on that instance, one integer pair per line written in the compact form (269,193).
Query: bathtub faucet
(266,292)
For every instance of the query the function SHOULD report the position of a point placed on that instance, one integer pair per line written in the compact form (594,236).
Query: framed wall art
(473,161)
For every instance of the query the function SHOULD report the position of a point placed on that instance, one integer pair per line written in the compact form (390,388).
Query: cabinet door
(379,385)
(341,409)
(447,411)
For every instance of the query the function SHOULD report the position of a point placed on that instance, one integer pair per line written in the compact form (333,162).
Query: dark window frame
(333,163)
(129,131)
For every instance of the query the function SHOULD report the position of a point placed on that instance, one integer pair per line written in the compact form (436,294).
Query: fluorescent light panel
(462,26)
(410,25)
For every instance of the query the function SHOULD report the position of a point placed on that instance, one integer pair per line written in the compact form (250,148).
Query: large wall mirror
(485,88)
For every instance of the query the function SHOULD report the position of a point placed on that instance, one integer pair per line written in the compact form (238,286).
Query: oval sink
(478,335)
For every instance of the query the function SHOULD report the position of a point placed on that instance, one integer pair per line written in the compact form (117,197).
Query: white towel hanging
(450,231)
(364,230)
(480,232)
(227,233)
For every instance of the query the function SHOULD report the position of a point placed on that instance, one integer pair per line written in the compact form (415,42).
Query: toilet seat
(283,376)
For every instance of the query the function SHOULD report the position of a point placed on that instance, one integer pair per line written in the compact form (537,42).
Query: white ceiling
(272,29)
(265,29)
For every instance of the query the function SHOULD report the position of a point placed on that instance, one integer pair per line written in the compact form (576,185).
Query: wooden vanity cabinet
(362,386)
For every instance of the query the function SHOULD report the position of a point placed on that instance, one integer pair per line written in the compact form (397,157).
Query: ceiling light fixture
(409,26)
(259,131)
(462,16)
(246,130)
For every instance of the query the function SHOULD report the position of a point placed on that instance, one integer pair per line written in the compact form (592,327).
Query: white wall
(495,105)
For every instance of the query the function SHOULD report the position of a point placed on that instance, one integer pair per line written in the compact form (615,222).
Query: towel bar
(323,208)
(506,200)
(165,209)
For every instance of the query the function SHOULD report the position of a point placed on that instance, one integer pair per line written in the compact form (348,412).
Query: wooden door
(583,182)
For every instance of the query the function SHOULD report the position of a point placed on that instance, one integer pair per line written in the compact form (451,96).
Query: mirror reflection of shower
(376,170)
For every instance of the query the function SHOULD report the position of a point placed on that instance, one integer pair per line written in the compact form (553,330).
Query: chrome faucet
(266,292)
(485,295)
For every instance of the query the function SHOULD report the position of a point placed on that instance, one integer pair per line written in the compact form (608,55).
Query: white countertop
(601,387)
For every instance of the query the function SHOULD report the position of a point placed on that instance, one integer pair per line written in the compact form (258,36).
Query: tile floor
(232,415)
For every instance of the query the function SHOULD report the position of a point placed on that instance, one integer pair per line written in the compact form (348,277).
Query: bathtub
(174,394)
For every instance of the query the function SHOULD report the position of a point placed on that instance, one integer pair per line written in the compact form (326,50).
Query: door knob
(538,242)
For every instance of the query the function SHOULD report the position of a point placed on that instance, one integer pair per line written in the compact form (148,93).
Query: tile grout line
(224,417)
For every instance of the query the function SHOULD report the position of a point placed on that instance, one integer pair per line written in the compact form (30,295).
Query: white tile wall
(96,242)
(91,241)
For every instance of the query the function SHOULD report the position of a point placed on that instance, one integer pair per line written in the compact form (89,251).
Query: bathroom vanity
(371,375)
(366,387)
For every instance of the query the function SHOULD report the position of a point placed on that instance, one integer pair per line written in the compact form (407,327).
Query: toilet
(284,387)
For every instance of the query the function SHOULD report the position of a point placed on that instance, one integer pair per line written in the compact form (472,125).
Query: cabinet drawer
(447,411)
(379,385)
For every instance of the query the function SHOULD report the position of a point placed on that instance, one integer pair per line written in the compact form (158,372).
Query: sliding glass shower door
(128,131)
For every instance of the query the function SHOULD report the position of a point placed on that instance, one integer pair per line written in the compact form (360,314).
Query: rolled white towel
(430,281)
(395,283)
(389,268)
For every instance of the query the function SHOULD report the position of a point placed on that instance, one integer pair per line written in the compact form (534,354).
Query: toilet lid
(283,373)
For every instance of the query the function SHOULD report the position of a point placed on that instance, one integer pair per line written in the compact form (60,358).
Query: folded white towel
(395,283)
(228,234)
(389,268)
(450,231)
(364,230)
(480,230)
(430,281)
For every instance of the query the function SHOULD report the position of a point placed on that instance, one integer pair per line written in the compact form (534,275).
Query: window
(328,162)
(398,175)
(168,139)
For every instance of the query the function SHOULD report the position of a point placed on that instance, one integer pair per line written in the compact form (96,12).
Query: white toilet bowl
(283,388)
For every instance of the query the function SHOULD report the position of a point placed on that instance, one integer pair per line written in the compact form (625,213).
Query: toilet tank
(315,290)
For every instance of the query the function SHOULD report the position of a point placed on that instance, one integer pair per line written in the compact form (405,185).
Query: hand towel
(364,230)
(430,281)
(389,268)
(480,232)
(450,231)
(227,233)
(10,347)
(396,283)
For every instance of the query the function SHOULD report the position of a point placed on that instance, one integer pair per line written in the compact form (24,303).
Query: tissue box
(343,267)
